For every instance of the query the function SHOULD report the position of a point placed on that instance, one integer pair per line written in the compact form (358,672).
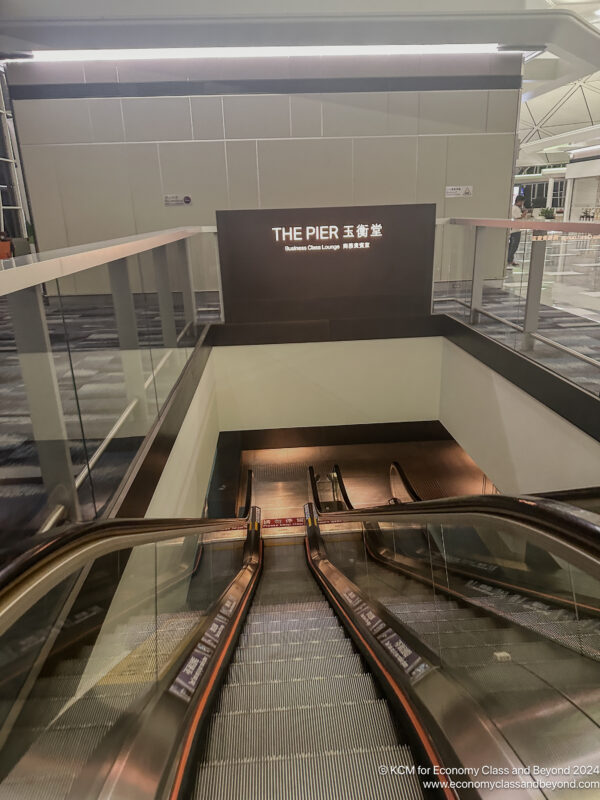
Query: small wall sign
(178,200)
(459,191)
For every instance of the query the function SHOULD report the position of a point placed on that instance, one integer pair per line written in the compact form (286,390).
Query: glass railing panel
(23,494)
(99,350)
(546,305)
(26,644)
(101,345)
(453,270)
(95,647)
(512,614)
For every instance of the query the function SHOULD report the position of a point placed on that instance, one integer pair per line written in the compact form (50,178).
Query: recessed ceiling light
(262,52)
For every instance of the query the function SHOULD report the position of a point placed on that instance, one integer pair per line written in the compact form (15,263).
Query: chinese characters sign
(372,263)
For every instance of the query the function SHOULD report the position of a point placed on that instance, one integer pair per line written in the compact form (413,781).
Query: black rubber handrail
(245,510)
(313,491)
(574,526)
(572,495)
(342,485)
(23,557)
(408,484)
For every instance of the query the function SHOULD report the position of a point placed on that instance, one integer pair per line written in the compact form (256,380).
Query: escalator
(355,660)
(298,708)
(517,624)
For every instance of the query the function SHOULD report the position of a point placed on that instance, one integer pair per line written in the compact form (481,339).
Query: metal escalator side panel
(451,729)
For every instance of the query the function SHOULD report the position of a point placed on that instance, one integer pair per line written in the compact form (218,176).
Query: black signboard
(292,265)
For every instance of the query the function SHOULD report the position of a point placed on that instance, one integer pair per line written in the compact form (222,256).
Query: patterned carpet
(93,395)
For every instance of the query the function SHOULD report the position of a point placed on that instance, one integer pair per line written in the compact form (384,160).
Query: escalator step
(292,651)
(314,610)
(292,634)
(263,672)
(258,625)
(289,694)
(299,730)
(336,776)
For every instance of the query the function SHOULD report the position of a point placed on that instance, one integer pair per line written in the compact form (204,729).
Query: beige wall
(519,443)
(296,385)
(98,168)
(513,438)
(184,481)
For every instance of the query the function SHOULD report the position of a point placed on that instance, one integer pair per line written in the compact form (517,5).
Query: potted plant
(547,213)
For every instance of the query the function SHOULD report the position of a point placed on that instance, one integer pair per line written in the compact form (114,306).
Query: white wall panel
(259,116)
(106,118)
(403,112)
(503,110)
(157,119)
(452,112)
(290,385)
(94,191)
(242,174)
(207,117)
(360,114)
(46,206)
(305,172)
(385,170)
(520,444)
(54,122)
(196,169)
(432,152)
(306,114)
(480,161)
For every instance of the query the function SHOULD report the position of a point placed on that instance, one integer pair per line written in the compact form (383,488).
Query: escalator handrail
(314,491)
(570,525)
(415,497)
(43,561)
(342,485)
(245,510)
(572,495)
(360,615)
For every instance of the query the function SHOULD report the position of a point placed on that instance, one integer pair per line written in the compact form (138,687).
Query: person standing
(515,236)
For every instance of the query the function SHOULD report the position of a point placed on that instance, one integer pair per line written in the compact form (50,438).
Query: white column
(569,198)
(550,192)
